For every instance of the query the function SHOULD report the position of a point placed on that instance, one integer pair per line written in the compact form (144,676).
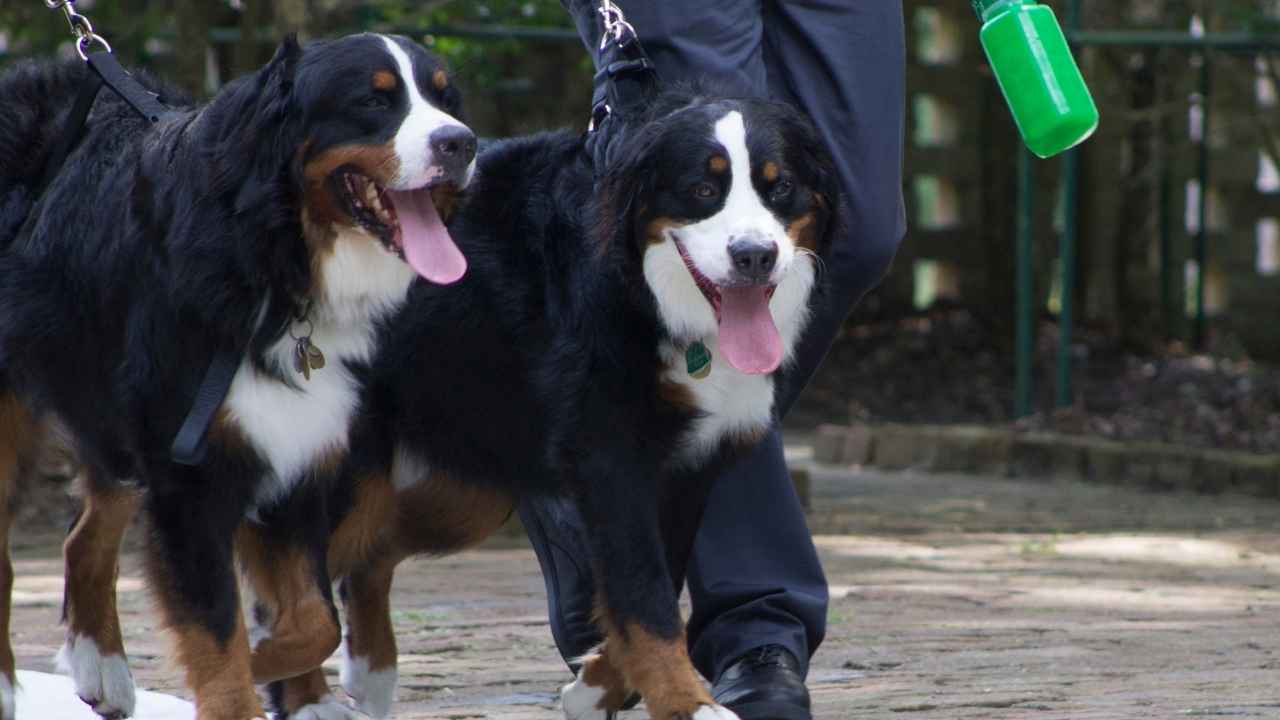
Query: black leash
(190,443)
(624,84)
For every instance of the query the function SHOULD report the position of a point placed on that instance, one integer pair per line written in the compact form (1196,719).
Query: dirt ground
(950,366)
(954,597)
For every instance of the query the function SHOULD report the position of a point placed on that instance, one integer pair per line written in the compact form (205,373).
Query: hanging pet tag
(697,360)
(307,357)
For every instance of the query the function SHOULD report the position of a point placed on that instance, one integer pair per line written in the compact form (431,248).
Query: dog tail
(37,99)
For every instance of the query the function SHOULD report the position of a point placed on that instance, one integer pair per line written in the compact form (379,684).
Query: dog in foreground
(294,210)
(618,338)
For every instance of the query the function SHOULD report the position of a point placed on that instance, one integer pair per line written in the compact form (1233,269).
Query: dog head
(383,156)
(726,205)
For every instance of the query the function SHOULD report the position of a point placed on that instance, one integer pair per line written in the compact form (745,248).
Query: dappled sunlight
(40,590)
(1147,598)
(1169,549)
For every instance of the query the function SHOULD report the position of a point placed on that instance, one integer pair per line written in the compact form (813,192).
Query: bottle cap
(986,9)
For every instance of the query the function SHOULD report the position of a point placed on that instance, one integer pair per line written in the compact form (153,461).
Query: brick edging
(1010,453)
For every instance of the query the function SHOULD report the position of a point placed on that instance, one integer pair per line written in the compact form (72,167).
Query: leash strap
(145,103)
(625,83)
(191,442)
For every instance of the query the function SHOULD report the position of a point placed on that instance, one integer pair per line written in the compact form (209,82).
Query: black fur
(540,373)
(158,245)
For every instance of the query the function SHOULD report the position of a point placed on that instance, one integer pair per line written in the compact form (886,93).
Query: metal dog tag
(697,359)
(307,357)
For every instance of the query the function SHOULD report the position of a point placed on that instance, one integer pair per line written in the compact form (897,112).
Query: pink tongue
(427,244)
(748,337)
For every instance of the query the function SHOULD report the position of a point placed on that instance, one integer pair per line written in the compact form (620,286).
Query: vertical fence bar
(1067,249)
(1025,309)
(1168,316)
(1067,258)
(1202,232)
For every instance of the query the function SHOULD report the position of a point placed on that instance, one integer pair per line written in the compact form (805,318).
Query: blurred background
(1169,220)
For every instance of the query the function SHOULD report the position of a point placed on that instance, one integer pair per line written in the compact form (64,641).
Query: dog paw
(373,691)
(580,701)
(714,712)
(327,709)
(102,681)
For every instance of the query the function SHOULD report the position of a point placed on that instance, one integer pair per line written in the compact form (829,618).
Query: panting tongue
(748,337)
(427,244)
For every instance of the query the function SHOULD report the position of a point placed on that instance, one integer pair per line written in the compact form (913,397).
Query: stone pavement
(954,597)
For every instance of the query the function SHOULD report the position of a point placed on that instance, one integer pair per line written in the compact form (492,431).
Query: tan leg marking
(218,675)
(304,631)
(369,631)
(368,528)
(369,673)
(444,514)
(659,669)
(306,689)
(601,671)
(91,553)
(17,437)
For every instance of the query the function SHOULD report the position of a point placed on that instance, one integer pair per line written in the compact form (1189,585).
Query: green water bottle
(1041,83)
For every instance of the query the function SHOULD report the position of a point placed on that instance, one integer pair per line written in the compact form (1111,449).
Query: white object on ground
(53,697)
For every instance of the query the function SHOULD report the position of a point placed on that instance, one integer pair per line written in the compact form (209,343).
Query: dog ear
(627,182)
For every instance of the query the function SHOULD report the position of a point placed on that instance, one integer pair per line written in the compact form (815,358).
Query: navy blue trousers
(755,578)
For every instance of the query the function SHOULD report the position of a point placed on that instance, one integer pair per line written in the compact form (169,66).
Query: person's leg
(844,64)
(756,583)
(754,577)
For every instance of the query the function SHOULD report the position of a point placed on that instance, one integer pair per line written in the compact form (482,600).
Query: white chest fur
(734,403)
(293,426)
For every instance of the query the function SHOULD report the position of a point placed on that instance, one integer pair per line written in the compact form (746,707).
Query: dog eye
(376,102)
(781,190)
(705,191)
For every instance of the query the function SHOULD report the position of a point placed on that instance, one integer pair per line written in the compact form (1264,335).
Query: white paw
(327,709)
(6,698)
(714,712)
(372,690)
(581,701)
(102,681)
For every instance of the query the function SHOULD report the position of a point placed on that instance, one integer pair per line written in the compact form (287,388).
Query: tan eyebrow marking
(440,79)
(384,80)
(770,171)
(719,164)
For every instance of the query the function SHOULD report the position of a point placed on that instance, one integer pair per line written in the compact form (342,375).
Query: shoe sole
(770,711)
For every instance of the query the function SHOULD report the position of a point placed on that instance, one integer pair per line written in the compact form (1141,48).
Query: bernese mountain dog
(288,216)
(619,338)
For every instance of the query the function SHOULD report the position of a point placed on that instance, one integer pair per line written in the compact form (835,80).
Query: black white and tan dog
(291,215)
(618,337)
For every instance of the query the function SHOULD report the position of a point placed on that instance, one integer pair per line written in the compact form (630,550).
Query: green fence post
(1025,310)
(1067,257)
(1067,249)
(1202,232)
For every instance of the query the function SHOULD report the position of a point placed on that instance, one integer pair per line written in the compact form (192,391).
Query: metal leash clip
(80,27)
(615,23)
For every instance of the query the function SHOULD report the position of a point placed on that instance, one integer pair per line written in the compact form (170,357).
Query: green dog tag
(698,360)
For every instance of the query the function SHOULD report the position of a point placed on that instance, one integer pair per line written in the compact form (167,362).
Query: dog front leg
(93,653)
(369,673)
(638,607)
(191,570)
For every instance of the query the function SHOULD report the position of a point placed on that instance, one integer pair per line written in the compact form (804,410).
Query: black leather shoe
(764,684)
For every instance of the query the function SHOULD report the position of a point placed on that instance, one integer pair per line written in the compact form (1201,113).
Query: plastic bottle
(1037,74)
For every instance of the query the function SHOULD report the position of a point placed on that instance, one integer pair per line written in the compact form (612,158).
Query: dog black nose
(753,259)
(454,147)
